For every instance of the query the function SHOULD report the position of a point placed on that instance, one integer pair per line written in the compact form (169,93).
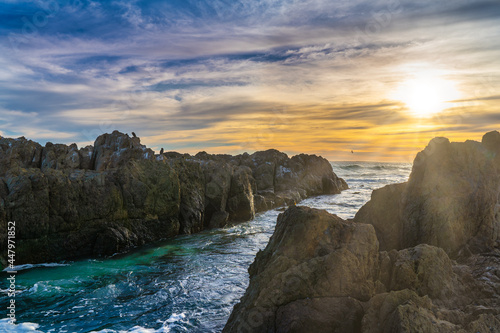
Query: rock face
(419,257)
(451,200)
(117,194)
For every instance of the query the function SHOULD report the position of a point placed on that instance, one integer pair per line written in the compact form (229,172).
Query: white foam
(7,327)
(135,329)
(30,266)
(176,317)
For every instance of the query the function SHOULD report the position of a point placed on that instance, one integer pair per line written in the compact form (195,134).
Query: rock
(318,179)
(309,249)
(19,153)
(60,157)
(116,149)
(103,199)
(217,220)
(447,202)
(101,213)
(491,141)
(27,202)
(86,157)
(240,205)
(192,182)
(403,311)
(260,203)
(320,273)
(383,211)
(217,186)
(327,314)
(263,165)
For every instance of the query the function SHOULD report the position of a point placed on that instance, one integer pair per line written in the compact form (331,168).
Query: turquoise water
(186,284)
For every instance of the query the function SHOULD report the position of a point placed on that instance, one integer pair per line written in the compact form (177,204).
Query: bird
(352,151)
(133,134)
(161,151)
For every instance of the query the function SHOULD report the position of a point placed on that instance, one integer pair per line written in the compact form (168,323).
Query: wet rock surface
(71,203)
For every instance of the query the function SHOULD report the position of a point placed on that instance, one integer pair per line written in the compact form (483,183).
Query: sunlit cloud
(379,78)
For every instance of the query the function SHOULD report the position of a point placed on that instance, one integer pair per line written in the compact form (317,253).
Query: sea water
(186,284)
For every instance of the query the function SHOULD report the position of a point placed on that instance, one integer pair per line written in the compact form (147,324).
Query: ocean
(186,284)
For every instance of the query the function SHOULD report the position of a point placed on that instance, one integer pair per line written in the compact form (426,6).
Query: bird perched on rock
(133,134)
(161,151)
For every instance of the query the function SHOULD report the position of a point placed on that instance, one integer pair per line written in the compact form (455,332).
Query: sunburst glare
(427,94)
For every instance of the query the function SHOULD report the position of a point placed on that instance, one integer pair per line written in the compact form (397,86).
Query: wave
(30,266)
(350,167)
(373,166)
(167,325)
(7,326)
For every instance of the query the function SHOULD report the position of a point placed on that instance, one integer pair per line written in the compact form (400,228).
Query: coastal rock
(307,252)
(60,157)
(384,211)
(491,141)
(86,157)
(61,214)
(392,268)
(99,200)
(240,205)
(323,274)
(318,179)
(116,149)
(451,201)
(217,186)
(19,153)
(192,183)
(263,165)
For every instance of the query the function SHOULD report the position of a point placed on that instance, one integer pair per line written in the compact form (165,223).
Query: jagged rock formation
(453,190)
(420,257)
(117,194)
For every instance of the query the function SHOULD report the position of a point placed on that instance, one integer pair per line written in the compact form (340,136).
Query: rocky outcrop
(422,256)
(61,214)
(117,194)
(320,273)
(116,149)
(451,200)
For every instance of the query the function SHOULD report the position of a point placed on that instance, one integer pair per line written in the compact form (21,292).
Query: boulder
(308,174)
(308,251)
(383,211)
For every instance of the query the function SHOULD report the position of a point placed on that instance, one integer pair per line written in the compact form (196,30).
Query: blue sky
(311,76)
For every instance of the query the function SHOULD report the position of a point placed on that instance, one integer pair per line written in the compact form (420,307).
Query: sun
(426,95)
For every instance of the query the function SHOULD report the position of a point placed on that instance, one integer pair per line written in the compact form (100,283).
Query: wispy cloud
(229,76)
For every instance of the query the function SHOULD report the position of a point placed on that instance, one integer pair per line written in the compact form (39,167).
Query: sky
(348,80)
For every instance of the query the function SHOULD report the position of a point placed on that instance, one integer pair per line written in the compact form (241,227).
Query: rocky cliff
(106,198)
(422,256)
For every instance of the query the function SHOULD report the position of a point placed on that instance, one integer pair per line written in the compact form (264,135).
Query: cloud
(222,72)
